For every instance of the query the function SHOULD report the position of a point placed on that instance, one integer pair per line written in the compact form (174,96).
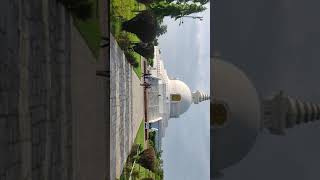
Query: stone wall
(53,108)
(126,108)
(35,91)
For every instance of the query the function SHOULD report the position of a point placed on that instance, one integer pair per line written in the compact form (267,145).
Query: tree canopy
(175,10)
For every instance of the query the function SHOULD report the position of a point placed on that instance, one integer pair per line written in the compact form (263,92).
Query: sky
(277,44)
(185,50)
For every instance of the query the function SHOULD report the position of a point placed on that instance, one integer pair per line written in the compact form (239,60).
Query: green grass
(90,30)
(140,134)
(122,10)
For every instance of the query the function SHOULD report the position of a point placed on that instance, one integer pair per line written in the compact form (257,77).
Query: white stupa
(167,98)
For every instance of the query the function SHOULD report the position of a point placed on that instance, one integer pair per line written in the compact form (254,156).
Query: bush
(150,61)
(123,41)
(131,58)
(148,178)
(135,64)
(143,25)
(81,9)
(134,150)
(135,174)
(147,159)
(145,49)
(145,1)
(151,143)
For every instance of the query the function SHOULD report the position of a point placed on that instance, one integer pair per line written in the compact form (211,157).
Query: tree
(143,25)
(82,9)
(175,10)
(144,49)
(161,29)
(145,1)
(195,1)
(147,159)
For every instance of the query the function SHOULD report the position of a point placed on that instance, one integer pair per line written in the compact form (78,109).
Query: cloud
(186,145)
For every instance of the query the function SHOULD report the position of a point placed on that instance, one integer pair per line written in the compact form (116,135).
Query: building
(167,98)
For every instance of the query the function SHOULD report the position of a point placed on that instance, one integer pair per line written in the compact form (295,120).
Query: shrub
(135,64)
(145,1)
(134,150)
(150,61)
(135,174)
(131,58)
(145,49)
(143,25)
(148,178)
(147,159)
(81,9)
(123,41)
(151,143)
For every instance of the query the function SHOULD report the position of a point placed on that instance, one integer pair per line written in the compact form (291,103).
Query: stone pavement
(34,90)
(126,108)
(53,124)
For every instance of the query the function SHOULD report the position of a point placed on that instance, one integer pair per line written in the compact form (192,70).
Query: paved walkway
(126,108)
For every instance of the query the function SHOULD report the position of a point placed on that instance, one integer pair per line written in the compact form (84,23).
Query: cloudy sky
(185,50)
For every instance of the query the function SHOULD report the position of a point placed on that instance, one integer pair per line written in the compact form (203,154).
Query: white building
(167,98)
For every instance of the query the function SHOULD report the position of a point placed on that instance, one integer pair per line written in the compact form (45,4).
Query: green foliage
(151,143)
(147,159)
(123,41)
(87,24)
(161,29)
(120,11)
(132,58)
(145,1)
(150,62)
(136,148)
(143,25)
(195,1)
(144,49)
(175,10)
(152,138)
(81,9)
(148,178)
(135,174)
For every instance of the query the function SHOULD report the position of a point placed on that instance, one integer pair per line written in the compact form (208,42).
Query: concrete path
(126,108)
(89,99)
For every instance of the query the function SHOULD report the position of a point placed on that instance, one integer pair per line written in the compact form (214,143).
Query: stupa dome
(180,97)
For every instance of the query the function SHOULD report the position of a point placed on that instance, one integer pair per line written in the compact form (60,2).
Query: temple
(167,98)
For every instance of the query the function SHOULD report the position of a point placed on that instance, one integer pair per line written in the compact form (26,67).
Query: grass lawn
(90,29)
(140,135)
(122,10)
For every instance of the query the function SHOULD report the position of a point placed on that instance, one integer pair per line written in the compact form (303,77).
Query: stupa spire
(199,96)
